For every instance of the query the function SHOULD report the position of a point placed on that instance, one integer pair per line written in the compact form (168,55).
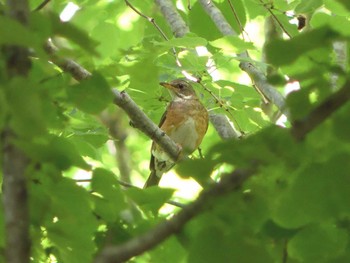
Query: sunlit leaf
(185,42)
(232,44)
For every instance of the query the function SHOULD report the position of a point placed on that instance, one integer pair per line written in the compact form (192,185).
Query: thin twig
(221,104)
(189,4)
(276,19)
(150,19)
(153,22)
(41,6)
(237,20)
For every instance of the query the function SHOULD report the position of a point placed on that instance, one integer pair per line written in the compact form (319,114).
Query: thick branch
(266,89)
(175,21)
(140,121)
(255,74)
(15,200)
(302,127)
(14,163)
(223,127)
(153,237)
(67,65)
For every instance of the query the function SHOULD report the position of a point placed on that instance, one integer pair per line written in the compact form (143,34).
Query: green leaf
(184,42)
(72,231)
(110,201)
(317,193)
(150,199)
(192,62)
(202,27)
(337,7)
(3,108)
(337,23)
(345,3)
(91,95)
(318,243)
(232,44)
(308,6)
(22,37)
(107,35)
(299,103)
(25,105)
(205,249)
(276,50)
(255,8)
(105,183)
(198,169)
(341,125)
(56,150)
(73,33)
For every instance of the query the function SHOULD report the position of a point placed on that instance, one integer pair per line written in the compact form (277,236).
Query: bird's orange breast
(186,123)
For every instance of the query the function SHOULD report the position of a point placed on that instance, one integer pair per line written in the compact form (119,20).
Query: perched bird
(185,121)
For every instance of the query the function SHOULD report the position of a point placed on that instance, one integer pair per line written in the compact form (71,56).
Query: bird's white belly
(186,136)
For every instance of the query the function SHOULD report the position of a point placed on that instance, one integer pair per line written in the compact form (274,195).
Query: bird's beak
(167,85)
(170,87)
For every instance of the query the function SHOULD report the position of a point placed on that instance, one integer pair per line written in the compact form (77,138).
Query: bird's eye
(180,86)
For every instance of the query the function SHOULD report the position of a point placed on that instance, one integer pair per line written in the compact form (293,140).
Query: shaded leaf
(91,95)
(276,50)
(318,243)
(150,199)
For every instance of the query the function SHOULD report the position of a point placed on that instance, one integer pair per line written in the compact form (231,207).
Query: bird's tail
(152,180)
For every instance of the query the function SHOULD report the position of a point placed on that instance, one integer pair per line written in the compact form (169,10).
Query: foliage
(295,207)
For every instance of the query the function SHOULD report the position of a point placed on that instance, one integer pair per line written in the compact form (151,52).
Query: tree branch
(175,21)
(302,127)
(254,73)
(153,237)
(223,127)
(67,65)
(14,163)
(140,121)
(41,5)
(138,118)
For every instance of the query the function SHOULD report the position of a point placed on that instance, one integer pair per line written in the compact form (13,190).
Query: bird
(185,121)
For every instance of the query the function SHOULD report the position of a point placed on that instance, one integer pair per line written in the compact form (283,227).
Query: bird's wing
(162,120)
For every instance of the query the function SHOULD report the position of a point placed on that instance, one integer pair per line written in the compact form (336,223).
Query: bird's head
(180,88)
